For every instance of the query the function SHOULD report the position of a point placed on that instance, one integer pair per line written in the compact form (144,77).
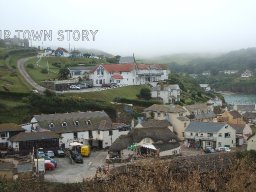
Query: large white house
(168,93)
(128,74)
(209,134)
(95,128)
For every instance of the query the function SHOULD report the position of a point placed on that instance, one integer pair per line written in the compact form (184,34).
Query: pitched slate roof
(8,127)
(165,108)
(250,115)
(204,127)
(238,127)
(235,114)
(76,121)
(205,116)
(150,66)
(162,134)
(33,136)
(195,107)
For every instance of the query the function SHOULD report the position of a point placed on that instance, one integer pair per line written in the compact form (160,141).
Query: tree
(145,93)
(64,73)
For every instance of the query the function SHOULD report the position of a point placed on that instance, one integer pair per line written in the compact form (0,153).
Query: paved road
(39,88)
(72,173)
(24,73)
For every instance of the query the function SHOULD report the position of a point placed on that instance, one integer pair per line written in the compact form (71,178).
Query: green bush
(44,70)
(31,66)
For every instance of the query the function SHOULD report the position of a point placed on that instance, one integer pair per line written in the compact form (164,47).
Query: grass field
(128,92)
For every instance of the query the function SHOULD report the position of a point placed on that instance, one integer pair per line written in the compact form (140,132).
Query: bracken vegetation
(216,172)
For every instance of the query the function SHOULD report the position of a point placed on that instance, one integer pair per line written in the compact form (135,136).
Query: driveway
(72,173)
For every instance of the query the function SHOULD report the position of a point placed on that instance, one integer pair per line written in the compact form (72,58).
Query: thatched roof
(160,134)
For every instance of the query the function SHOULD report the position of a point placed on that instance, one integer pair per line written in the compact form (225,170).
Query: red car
(49,165)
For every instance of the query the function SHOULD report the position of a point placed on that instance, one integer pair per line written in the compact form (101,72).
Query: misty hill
(179,58)
(235,60)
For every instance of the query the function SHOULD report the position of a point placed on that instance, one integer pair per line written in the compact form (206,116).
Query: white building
(251,143)
(246,74)
(206,87)
(230,72)
(169,93)
(95,128)
(202,134)
(128,74)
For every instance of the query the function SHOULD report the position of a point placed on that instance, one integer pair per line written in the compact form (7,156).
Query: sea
(239,98)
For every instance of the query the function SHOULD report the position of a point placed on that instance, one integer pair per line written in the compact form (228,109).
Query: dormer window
(89,122)
(51,125)
(64,124)
(76,123)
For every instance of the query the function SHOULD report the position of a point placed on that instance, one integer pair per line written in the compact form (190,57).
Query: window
(220,134)
(191,134)
(89,122)
(97,81)
(51,125)
(90,134)
(110,132)
(196,134)
(201,134)
(209,134)
(75,135)
(183,134)
(227,135)
(219,144)
(117,81)
(98,71)
(64,124)
(100,82)
(76,123)
(3,134)
(185,124)
(98,132)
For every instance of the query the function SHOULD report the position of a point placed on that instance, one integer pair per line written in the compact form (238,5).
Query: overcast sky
(145,28)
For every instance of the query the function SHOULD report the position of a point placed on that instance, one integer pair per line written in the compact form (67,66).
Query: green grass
(128,92)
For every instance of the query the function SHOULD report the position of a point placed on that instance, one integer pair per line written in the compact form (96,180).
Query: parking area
(71,173)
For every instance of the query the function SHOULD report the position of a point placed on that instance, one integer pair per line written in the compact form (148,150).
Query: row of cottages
(174,114)
(95,128)
(167,93)
(210,134)
(149,137)
(124,74)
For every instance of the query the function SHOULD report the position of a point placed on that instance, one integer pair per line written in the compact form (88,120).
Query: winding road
(26,76)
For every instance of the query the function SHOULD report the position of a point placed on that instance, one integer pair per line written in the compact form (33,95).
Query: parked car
(106,85)
(49,154)
(113,85)
(77,87)
(77,157)
(60,153)
(209,150)
(52,160)
(223,149)
(49,165)
(40,154)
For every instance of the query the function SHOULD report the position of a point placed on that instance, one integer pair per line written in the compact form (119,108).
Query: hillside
(215,172)
(236,60)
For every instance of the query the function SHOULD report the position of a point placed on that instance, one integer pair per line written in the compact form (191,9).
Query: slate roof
(238,127)
(250,115)
(150,66)
(205,116)
(8,127)
(162,134)
(235,114)
(195,107)
(165,108)
(129,59)
(204,127)
(98,120)
(34,136)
